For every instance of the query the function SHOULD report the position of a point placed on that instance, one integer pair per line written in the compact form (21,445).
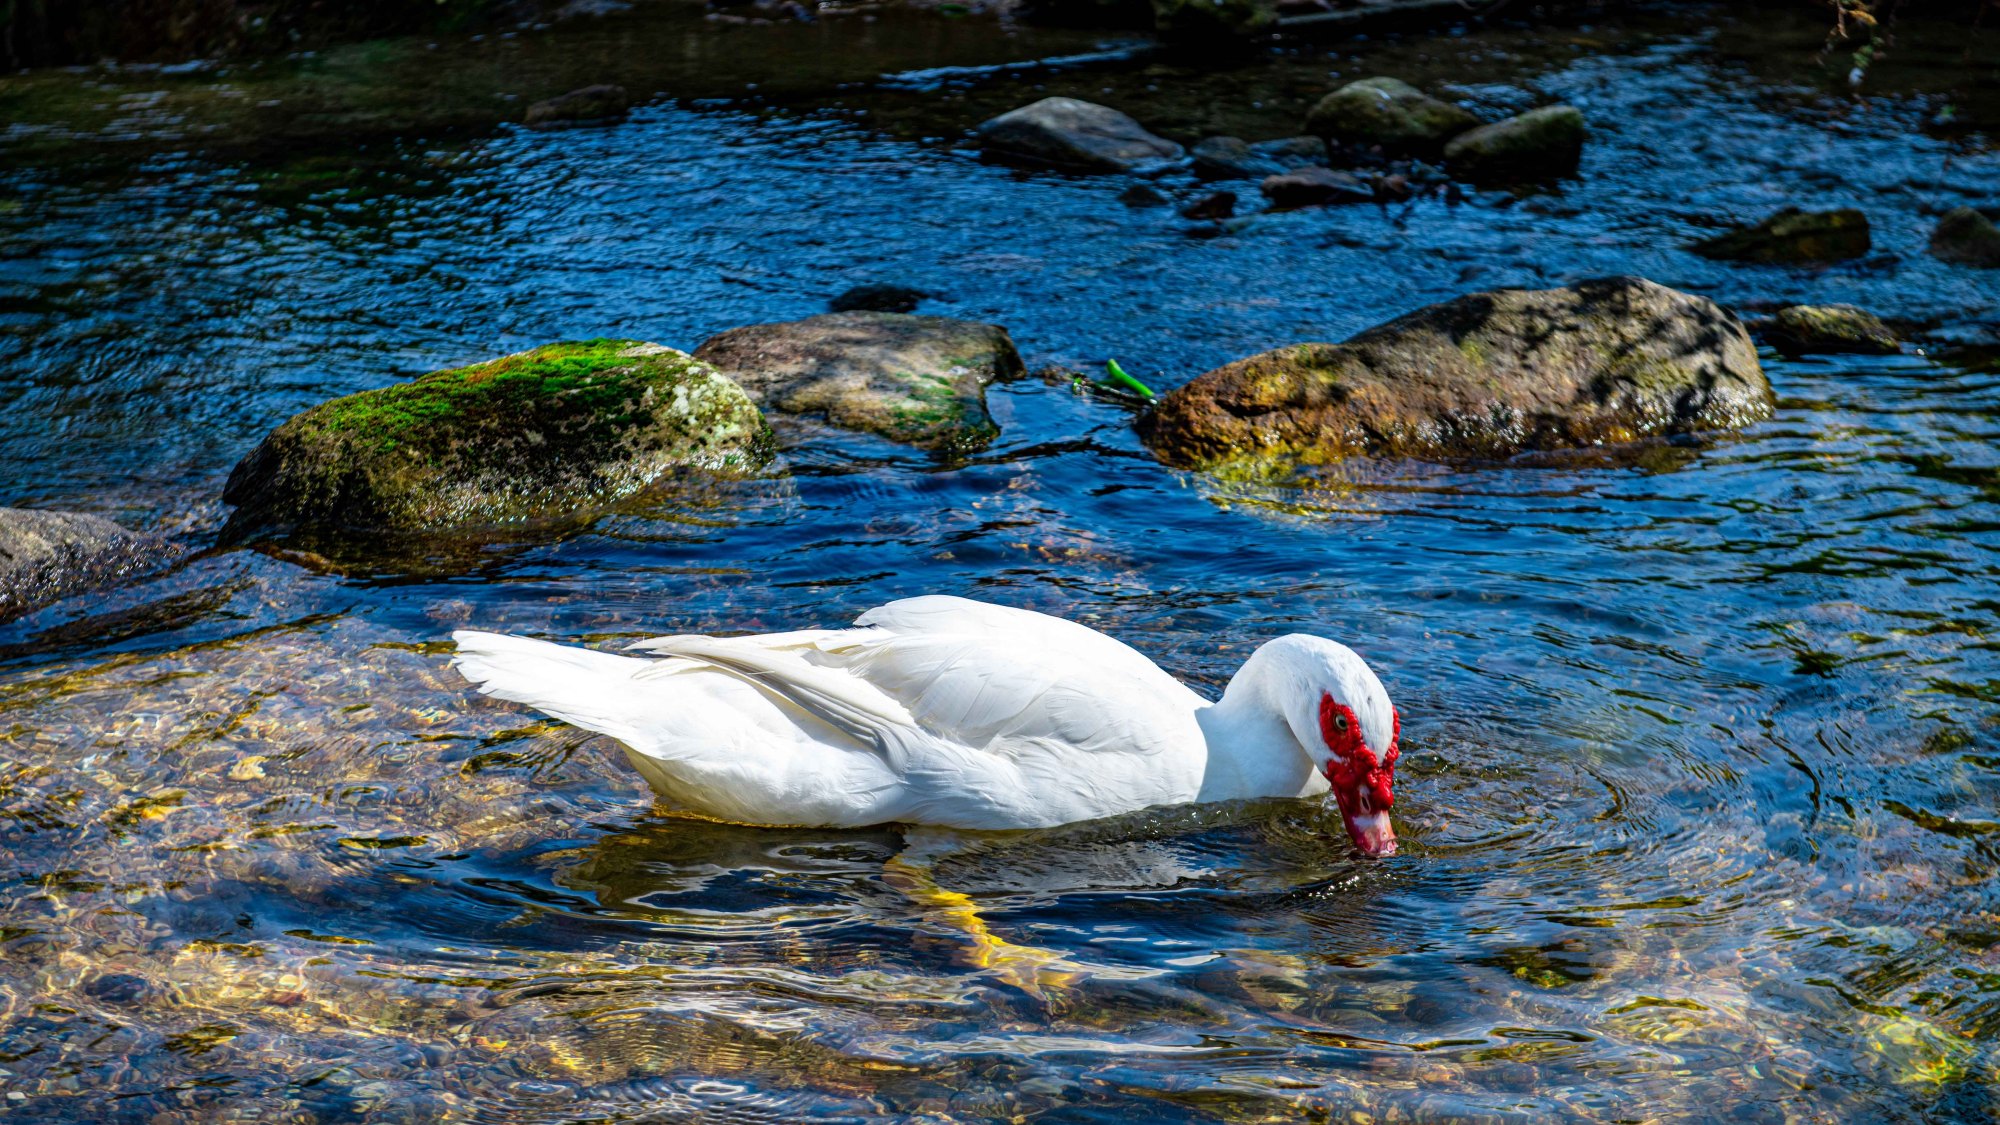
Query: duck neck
(1251,749)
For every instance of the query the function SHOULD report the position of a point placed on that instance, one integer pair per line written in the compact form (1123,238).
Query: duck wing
(981,675)
(992,717)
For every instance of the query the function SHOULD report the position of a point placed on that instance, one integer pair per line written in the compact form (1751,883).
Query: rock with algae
(550,434)
(1391,113)
(1804,329)
(1484,375)
(1539,145)
(920,380)
(1793,236)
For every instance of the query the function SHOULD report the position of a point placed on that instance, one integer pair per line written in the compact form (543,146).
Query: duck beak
(1367,825)
(1371,833)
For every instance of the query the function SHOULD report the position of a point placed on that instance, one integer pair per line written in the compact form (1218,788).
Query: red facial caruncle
(1363,783)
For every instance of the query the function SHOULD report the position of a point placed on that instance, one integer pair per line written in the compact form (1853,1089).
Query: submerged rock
(1315,187)
(1539,145)
(1968,237)
(1211,207)
(1391,113)
(1793,235)
(914,379)
(1802,329)
(1144,195)
(1076,135)
(560,431)
(1231,158)
(1484,375)
(592,103)
(46,556)
(1293,152)
(878,298)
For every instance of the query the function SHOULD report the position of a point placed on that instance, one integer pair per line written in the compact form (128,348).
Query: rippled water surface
(1702,745)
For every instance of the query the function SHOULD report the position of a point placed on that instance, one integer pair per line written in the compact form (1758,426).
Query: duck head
(1337,711)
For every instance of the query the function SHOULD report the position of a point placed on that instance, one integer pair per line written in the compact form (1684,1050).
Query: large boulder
(1968,237)
(554,433)
(1793,236)
(920,380)
(1806,329)
(1074,135)
(1484,375)
(46,556)
(1388,112)
(1539,145)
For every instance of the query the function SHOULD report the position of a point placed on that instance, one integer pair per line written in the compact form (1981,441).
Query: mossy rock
(1794,236)
(1483,376)
(1388,112)
(1967,237)
(1804,329)
(920,380)
(1534,147)
(547,435)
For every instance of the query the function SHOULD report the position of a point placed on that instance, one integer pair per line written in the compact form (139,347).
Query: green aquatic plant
(1118,378)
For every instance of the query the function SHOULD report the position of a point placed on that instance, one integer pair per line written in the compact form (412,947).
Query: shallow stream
(1702,746)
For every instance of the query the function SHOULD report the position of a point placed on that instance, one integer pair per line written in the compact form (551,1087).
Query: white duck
(944,711)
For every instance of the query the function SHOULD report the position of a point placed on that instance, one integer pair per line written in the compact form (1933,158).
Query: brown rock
(1484,375)
(1793,235)
(592,103)
(920,380)
(1214,205)
(1315,187)
(1805,329)
(1968,237)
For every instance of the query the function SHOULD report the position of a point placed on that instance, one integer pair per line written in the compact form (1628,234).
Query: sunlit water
(1698,797)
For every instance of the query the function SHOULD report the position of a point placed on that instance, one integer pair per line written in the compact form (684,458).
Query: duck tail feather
(581,686)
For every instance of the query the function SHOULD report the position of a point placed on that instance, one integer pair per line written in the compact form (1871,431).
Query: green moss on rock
(547,434)
(1485,375)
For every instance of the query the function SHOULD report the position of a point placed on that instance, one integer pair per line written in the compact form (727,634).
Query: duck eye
(1340,723)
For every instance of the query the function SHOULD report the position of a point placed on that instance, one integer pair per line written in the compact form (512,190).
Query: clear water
(1702,751)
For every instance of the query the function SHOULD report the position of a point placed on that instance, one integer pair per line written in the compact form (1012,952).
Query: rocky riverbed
(1684,593)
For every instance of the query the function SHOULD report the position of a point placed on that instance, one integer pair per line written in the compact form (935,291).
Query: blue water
(1699,786)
